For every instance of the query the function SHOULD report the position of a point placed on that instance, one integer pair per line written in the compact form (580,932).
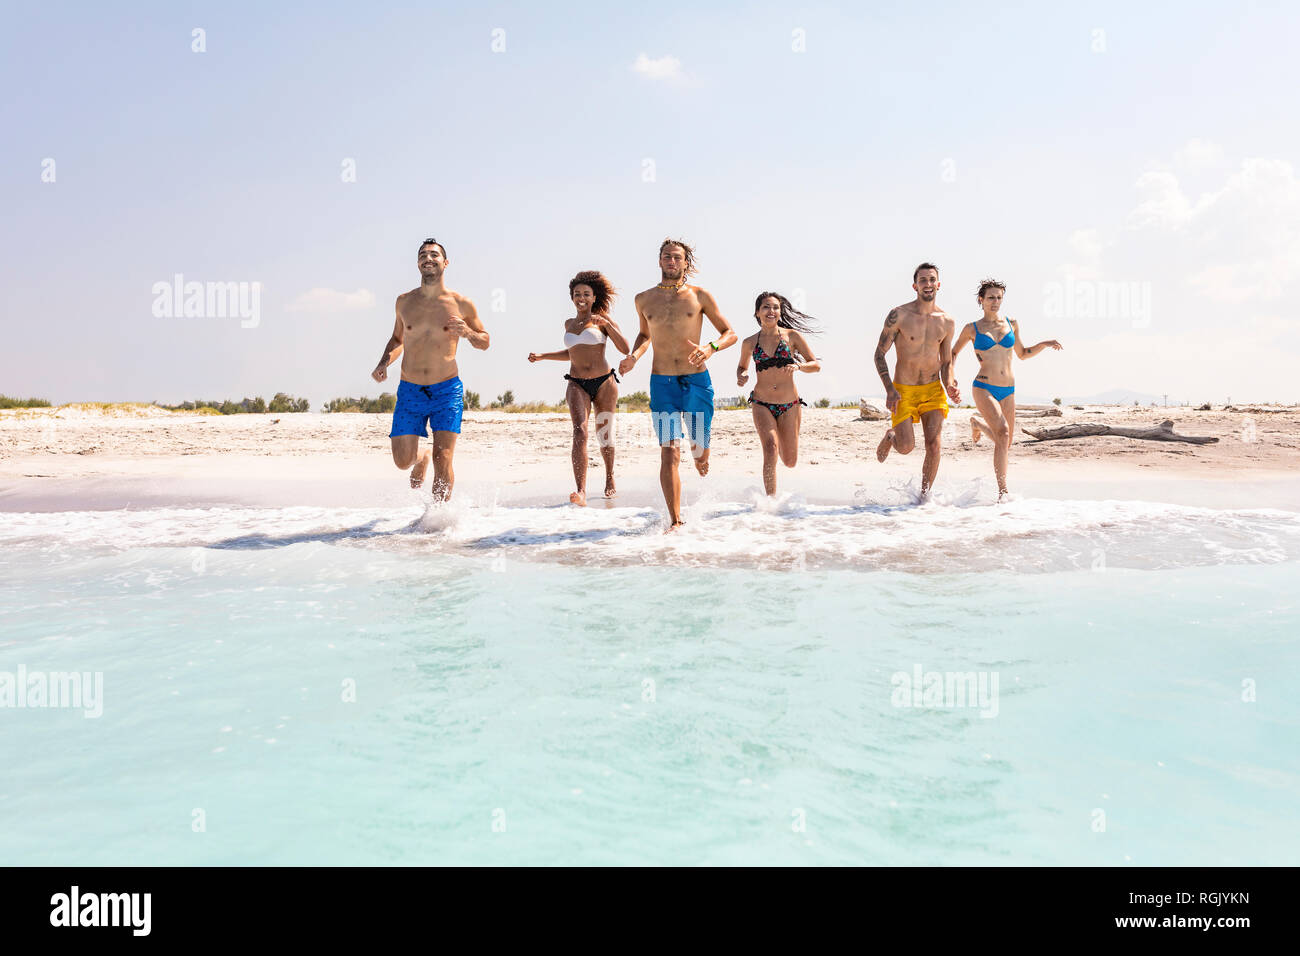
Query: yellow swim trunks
(916,400)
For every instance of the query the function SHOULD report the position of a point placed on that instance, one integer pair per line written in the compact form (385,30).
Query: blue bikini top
(985,342)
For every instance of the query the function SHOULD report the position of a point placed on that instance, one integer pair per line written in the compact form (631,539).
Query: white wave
(947,533)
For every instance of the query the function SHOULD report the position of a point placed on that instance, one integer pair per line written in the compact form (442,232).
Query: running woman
(592,382)
(775,401)
(994,388)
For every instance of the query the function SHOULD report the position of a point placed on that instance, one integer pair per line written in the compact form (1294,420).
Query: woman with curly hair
(775,400)
(591,378)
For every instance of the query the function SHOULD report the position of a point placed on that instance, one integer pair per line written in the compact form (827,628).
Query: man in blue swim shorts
(672,317)
(431,321)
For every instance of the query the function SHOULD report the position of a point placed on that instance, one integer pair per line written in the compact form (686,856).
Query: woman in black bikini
(591,379)
(775,401)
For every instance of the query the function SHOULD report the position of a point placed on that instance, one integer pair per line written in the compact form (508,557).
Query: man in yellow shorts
(921,334)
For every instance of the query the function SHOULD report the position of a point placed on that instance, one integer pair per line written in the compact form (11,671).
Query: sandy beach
(94,458)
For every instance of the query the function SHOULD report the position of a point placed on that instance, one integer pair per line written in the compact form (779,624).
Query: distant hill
(1119,396)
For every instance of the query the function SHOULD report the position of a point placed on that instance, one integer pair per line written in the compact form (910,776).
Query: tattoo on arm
(887,336)
(882,366)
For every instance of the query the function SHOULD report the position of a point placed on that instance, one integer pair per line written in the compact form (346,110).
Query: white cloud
(666,67)
(331,300)
(1164,206)
(1233,244)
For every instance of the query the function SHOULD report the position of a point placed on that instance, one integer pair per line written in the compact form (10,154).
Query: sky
(1129,171)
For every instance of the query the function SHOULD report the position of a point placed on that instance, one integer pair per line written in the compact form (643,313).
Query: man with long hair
(672,317)
(431,321)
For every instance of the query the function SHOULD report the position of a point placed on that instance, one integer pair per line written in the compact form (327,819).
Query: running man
(921,334)
(672,317)
(431,321)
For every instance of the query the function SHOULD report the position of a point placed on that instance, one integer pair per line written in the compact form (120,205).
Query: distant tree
(255,406)
(471,400)
(635,400)
(506,398)
(1056,401)
(823,403)
(386,402)
(287,403)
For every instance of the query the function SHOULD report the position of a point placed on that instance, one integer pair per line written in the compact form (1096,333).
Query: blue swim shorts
(674,396)
(421,407)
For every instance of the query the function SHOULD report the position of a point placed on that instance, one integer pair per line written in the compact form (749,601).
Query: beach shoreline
(51,460)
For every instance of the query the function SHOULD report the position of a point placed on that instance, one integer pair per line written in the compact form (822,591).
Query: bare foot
(673,527)
(421,466)
(578,498)
(610,490)
(975,433)
(1002,494)
(886,443)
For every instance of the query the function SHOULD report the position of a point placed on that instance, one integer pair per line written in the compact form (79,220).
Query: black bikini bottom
(778,408)
(591,385)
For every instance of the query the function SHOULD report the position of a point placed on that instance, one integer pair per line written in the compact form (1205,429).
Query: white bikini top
(588,336)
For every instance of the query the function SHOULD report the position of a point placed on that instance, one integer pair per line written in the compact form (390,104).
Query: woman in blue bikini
(994,339)
(591,378)
(775,402)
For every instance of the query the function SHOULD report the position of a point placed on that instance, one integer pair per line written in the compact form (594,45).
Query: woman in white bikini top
(592,382)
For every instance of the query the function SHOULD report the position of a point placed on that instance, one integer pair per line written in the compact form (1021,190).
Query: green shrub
(386,402)
(7,402)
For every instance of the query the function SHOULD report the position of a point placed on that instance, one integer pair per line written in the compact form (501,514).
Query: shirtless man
(431,321)
(672,316)
(921,334)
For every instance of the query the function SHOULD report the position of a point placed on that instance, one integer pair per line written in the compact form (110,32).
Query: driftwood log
(869,413)
(1162,432)
(1039,413)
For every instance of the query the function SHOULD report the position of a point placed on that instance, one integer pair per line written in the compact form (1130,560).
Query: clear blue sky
(993,139)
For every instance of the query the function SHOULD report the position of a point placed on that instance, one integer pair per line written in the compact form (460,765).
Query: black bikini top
(763,362)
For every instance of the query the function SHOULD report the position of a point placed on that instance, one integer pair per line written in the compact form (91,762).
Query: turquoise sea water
(540,685)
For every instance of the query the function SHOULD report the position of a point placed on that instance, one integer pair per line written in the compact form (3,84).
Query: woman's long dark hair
(602,288)
(791,318)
